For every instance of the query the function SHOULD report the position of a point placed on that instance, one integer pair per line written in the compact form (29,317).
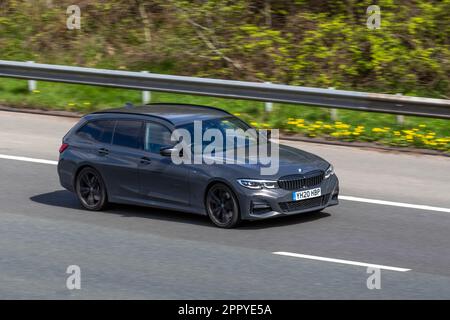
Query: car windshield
(234,133)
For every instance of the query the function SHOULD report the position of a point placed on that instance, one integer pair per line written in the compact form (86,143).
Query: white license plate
(306,194)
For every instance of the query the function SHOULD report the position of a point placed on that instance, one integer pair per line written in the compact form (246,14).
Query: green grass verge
(309,121)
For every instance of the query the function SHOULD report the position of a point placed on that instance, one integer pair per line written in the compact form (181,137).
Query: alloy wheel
(90,189)
(222,206)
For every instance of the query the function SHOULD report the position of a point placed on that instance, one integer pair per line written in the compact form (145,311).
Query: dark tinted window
(236,126)
(156,137)
(99,131)
(128,134)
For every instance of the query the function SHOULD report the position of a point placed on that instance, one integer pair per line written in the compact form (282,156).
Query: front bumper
(268,203)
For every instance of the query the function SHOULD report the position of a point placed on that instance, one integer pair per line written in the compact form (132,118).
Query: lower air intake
(304,204)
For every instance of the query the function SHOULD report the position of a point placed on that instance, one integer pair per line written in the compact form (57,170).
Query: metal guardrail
(361,101)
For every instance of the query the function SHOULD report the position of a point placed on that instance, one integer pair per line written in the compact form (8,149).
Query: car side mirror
(167,151)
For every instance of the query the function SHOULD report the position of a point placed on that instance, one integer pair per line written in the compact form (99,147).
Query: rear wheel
(91,190)
(222,206)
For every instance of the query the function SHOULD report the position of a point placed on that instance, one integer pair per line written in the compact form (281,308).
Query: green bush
(303,42)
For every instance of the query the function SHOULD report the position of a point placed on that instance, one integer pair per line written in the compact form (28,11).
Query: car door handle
(145,160)
(103,151)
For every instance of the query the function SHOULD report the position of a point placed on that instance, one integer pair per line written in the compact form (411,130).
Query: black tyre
(91,190)
(222,206)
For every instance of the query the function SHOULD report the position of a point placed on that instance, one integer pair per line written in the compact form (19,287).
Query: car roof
(176,113)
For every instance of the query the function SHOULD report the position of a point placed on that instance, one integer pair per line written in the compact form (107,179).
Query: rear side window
(97,131)
(128,134)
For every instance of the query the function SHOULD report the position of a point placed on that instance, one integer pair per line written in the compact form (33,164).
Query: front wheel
(222,206)
(91,190)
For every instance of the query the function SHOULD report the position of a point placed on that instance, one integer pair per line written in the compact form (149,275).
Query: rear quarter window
(97,131)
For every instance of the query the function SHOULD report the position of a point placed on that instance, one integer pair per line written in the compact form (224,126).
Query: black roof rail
(112,111)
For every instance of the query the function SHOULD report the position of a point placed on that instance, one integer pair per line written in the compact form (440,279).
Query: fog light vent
(335,194)
(259,207)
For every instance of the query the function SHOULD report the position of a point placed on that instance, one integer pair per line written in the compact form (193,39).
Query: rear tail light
(63,147)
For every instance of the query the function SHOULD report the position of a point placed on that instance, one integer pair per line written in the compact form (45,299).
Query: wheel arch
(225,182)
(84,166)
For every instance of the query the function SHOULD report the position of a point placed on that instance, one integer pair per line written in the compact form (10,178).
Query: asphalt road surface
(143,253)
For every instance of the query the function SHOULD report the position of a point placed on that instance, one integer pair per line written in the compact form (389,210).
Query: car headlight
(329,172)
(258,184)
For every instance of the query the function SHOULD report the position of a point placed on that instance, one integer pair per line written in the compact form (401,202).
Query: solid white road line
(395,204)
(4,156)
(354,263)
(348,198)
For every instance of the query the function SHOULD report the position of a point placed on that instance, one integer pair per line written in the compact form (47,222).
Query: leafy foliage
(303,42)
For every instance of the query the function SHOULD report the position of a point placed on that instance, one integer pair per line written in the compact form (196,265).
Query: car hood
(289,155)
(291,161)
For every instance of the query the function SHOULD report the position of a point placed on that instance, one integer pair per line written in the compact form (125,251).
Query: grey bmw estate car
(124,156)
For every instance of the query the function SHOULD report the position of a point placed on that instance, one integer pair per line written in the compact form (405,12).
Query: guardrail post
(400,118)
(32,84)
(268,106)
(333,111)
(146,95)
